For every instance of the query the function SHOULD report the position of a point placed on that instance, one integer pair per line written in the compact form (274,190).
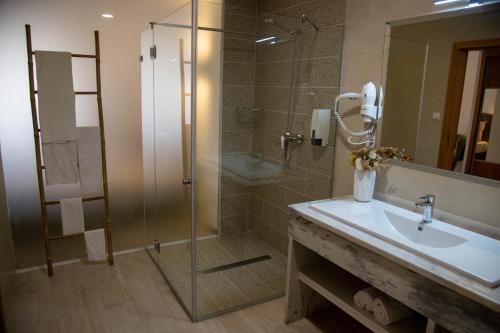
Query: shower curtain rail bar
(38,152)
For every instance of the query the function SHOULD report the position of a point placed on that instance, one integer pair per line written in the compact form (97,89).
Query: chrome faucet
(428,205)
(286,140)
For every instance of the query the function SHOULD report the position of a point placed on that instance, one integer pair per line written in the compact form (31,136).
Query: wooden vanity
(329,261)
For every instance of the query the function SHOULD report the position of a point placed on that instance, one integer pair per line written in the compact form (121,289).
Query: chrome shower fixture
(272,21)
(306,18)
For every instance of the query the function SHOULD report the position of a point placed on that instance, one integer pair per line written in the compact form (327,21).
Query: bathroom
(228,185)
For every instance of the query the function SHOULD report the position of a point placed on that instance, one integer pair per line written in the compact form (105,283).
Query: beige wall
(69,25)
(363,52)
(403,91)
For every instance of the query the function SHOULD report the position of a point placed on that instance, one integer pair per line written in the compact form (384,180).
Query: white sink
(461,250)
(429,236)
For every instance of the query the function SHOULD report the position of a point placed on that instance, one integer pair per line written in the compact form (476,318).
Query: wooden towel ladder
(40,167)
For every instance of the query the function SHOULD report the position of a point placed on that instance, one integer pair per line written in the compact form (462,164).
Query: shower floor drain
(234,264)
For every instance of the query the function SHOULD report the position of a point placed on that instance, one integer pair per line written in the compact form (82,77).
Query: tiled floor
(132,296)
(229,288)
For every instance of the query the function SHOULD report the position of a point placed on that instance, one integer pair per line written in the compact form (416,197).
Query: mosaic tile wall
(237,103)
(316,80)
(257,113)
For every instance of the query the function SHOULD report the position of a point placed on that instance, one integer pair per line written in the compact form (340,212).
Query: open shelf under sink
(339,286)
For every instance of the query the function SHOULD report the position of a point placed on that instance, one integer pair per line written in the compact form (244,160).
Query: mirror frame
(418,19)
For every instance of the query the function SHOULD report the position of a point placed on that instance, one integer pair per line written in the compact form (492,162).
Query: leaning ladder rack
(40,167)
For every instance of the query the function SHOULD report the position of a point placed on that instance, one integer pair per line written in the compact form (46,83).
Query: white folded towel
(56,97)
(388,310)
(95,241)
(61,163)
(72,216)
(364,298)
(89,159)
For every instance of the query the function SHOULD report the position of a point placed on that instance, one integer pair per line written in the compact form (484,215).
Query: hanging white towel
(96,244)
(61,163)
(56,97)
(56,106)
(72,216)
(89,159)
(388,310)
(364,298)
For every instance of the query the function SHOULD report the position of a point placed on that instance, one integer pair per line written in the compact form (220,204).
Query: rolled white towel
(364,298)
(388,310)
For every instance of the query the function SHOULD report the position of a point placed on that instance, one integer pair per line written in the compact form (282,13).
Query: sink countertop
(489,297)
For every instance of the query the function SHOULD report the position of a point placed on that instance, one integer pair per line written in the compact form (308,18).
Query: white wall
(69,25)
(362,61)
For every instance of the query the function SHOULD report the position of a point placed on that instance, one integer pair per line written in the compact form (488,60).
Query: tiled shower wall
(237,105)
(257,113)
(315,72)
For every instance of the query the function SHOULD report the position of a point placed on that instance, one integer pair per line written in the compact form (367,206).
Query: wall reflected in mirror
(442,90)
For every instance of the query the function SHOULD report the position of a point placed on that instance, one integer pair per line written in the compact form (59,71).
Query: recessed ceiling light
(442,2)
(107,15)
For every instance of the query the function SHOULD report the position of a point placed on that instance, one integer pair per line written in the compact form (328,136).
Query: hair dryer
(369,111)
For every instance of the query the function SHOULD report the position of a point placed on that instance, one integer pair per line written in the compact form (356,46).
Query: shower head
(306,18)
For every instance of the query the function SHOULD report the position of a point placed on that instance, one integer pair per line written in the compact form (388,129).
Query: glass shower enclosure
(222,84)
(211,267)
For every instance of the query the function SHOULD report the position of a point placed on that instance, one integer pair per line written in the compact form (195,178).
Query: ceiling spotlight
(442,2)
(472,3)
(107,15)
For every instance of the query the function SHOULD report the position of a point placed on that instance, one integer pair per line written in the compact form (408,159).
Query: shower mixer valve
(293,138)
(288,138)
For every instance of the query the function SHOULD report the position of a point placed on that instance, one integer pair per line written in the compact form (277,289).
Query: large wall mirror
(442,90)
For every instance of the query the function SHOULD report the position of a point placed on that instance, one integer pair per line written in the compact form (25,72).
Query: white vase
(364,185)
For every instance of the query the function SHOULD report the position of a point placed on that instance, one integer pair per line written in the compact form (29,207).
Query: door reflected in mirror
(442,83)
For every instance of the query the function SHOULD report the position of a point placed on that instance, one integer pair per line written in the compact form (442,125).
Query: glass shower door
(172,151)
(165,70)
(171,220)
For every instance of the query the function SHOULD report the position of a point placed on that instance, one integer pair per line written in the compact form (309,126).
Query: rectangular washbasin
(464,251)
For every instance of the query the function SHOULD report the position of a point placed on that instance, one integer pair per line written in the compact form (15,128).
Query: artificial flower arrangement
(374,158)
